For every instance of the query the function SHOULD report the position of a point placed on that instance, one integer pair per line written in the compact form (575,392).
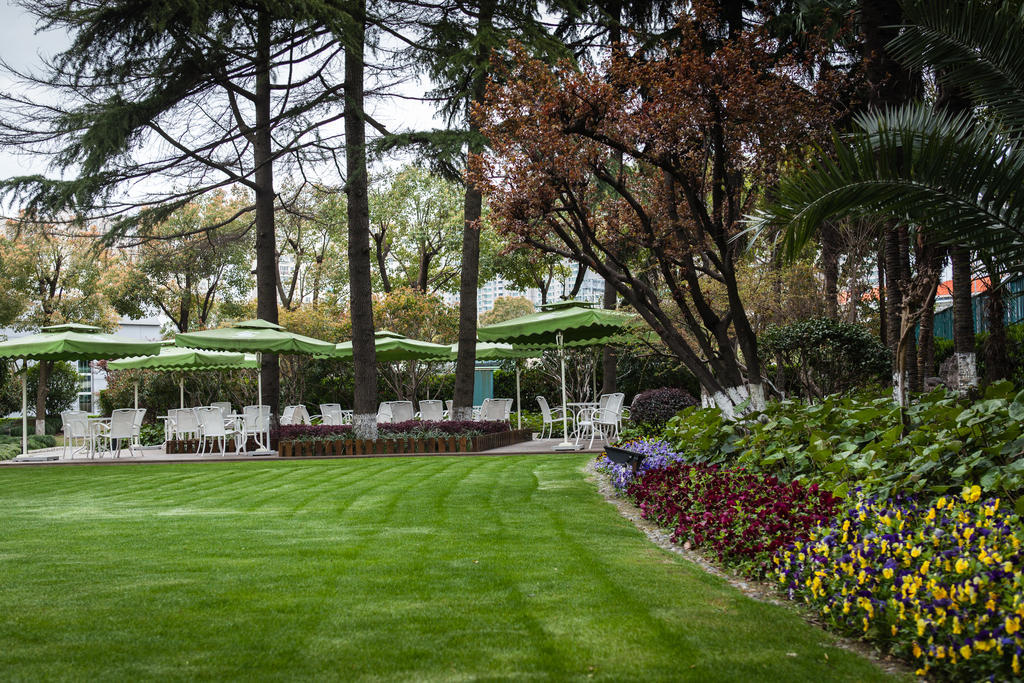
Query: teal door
(483,384)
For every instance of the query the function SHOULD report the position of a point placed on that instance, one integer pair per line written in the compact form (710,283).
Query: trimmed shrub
(654,407)
(825,356)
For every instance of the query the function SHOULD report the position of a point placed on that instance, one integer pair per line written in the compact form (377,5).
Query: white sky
(22,46)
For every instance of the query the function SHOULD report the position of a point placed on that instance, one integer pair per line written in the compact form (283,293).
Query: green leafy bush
(151,434)
(860,440)
(823,356)
(8,451)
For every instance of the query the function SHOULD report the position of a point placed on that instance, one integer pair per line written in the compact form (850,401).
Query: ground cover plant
(379,569)
(939,584)
(415,429)
(939,444)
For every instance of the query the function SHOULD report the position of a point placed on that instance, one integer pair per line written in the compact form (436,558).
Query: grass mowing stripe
(401,568)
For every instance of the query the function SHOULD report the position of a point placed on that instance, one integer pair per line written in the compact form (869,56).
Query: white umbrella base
(42,457)
(567,446)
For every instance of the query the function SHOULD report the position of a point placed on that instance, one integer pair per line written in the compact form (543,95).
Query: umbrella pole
(519,401)
(136,394)
(24,410)
(259,398)
(565,445)
(181,391)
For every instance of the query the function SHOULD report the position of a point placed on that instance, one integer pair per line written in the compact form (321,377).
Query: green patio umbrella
(255,336)
(259,337)
(178,359)
(70,341)
(567,323)
(391,346)
(498,351)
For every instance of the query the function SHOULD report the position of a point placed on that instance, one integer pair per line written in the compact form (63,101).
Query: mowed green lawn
(407,569)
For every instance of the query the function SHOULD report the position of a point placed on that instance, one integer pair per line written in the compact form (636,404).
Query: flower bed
(742,517)
(657,454)
(938,584)
(409,428)
(413,436)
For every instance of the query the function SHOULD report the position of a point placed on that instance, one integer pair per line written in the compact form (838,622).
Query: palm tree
(954,177)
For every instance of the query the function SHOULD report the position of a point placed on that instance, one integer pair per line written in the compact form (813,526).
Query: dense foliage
(861,440)
(822,356)
(654,407)
(939,584)
(62,387)
(10,446)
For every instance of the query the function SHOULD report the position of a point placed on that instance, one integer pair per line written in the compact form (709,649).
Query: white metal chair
(295,415)
(492,410)
(184,424)
(330,414)
(256,423)
(507,412)
(75,425)
(225,407)
(431,410)
(401,411)
(212,426)
(603,422)
(140,415)
(549,417)
(384,413)
(120,429)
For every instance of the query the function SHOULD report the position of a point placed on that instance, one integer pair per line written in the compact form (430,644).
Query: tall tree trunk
(955,101)
(997,360)
(894,301)
(829,237)
(382,262)
(364,355)
(926,326)
(465,363)
(266,242)
(42,391)
(963,320)
(185,307)
(906,275)
(883,320)
(889,84)
(609,359)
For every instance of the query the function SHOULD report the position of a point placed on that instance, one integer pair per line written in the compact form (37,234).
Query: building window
(85,402)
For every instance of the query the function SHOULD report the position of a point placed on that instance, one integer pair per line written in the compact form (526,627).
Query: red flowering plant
(742,517)
(409,428)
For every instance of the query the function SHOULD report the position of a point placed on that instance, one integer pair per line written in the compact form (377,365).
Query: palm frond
(962,183)
(977,44)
